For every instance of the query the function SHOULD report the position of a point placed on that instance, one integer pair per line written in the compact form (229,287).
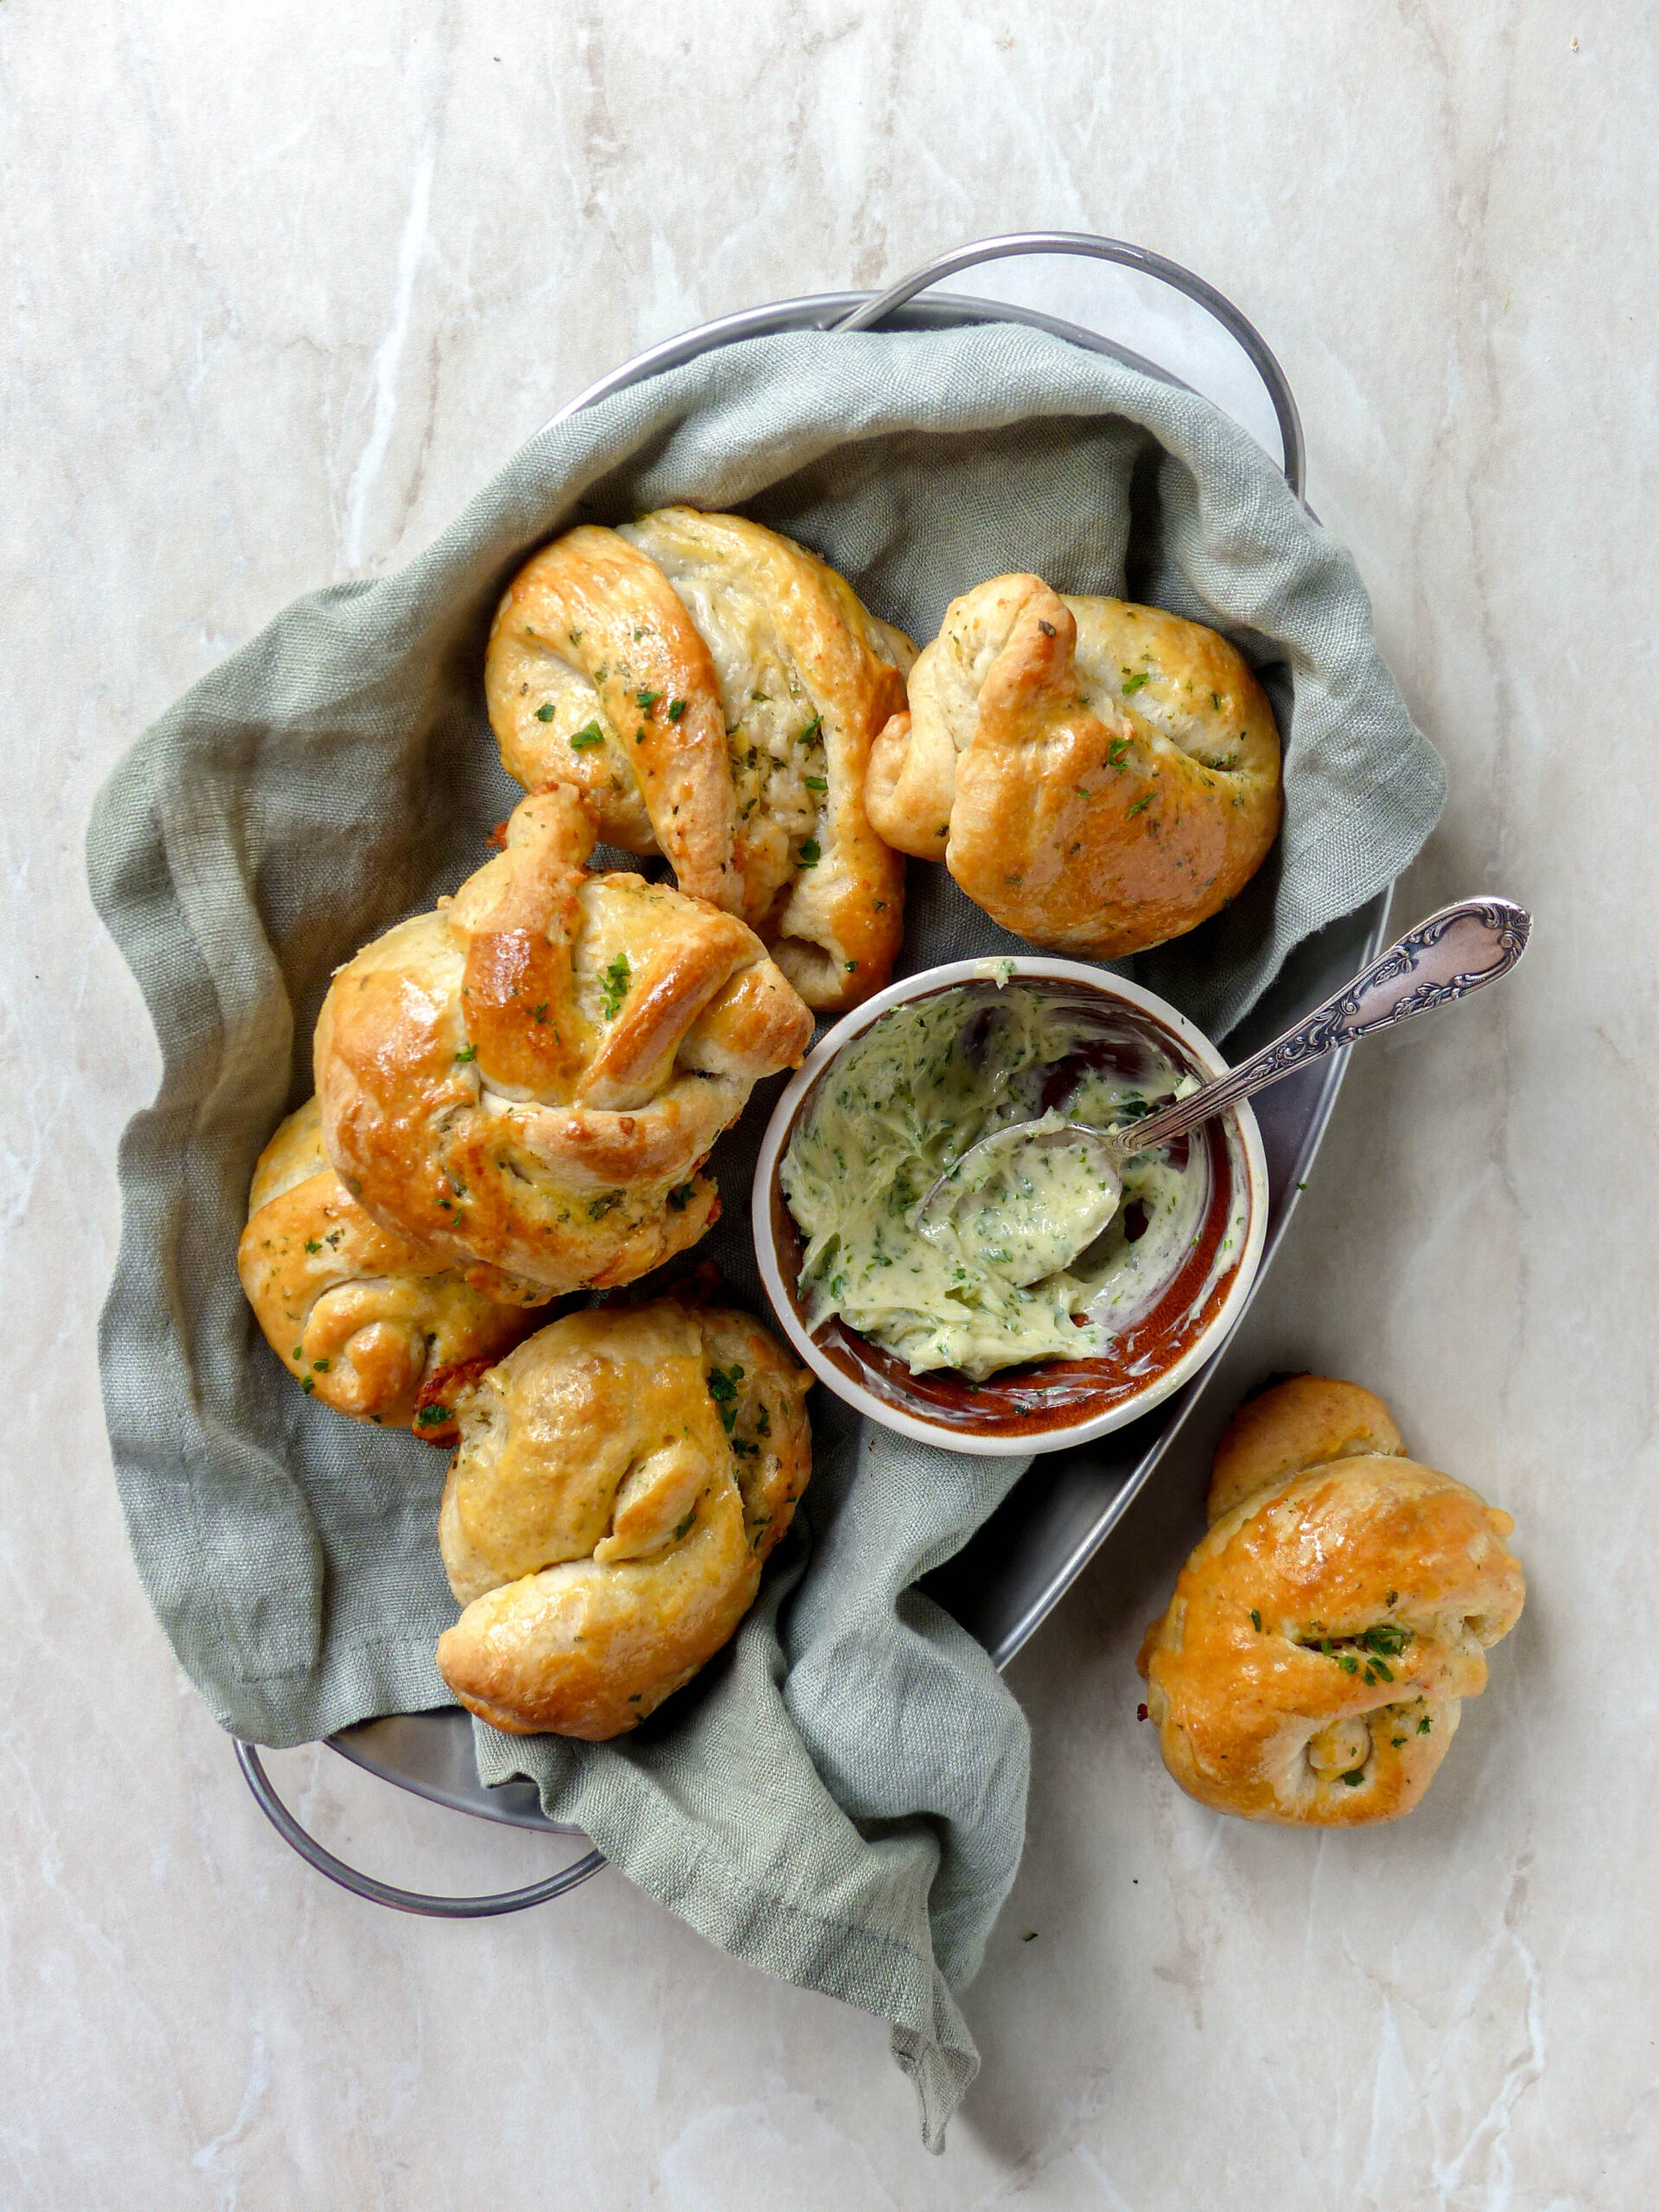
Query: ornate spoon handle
(1443,959)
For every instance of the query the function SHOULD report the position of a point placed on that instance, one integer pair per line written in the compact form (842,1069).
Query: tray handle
(1091,248)
(365,1886)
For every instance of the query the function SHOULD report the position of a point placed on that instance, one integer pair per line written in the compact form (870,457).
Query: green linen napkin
(840,1798)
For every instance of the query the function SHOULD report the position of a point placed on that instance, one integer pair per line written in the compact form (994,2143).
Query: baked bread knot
(1098,777)
(363,1317)
(1313,1661)
(621,1477)
(712,689)
(528,1081)
(1305,1421)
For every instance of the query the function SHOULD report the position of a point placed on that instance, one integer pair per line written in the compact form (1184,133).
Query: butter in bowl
(1036,1309)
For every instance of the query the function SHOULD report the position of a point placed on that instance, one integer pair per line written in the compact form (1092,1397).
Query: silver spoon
(1442,960)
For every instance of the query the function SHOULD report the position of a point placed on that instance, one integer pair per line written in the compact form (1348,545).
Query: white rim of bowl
(1197,1354)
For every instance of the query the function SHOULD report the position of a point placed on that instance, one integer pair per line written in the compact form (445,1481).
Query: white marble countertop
(283,285)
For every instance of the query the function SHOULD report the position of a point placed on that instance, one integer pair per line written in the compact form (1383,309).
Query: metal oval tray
(1009,1578)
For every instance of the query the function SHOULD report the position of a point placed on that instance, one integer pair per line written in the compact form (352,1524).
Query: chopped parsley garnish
(763,1427)
(545,714)
(1256,1620)
(722,1389)
(685,1524)
(614,984)
(312,1244)
(675,708)
(1144,800)
(1117,751)
(1132,684)
(1354,1776)
(587,737)
(602,1207)
(809,854)
(679,1199)
(810,731)
(306,1384)
(1424,1725)
(468,1053)
(1387,1640)
(434,1416)
(320,1365)
(646,700)
(816,783)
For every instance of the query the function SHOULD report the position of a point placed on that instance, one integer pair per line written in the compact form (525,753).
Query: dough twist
(713,689)
(1312,1663)
(528,1081)
(1098,777)
(621,1477)
(362,1318)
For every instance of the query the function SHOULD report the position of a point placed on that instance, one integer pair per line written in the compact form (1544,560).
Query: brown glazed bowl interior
(1046,1405)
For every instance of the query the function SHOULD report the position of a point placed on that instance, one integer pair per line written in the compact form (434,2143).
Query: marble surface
(283,285)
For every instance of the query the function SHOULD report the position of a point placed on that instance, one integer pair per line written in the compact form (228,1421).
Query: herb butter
(987,1285)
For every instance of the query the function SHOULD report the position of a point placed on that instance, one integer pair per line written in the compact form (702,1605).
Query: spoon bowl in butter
(1056,1183)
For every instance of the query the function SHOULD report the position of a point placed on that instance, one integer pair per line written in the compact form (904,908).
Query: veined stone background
(283,284)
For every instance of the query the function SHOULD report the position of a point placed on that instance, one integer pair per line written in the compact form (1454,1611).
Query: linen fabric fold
(840,1798)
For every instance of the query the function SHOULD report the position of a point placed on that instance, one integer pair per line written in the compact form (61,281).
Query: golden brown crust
(527,1081)
(361,1317)
(1311,1663)
(761,688)
(594,629)
(1099,776)
(1301,1422)
(620,1480)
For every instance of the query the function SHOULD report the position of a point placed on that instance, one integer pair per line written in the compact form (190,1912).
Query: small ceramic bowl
(1048,1405)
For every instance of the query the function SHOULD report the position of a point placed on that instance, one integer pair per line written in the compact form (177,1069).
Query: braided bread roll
(528,1081)
(621,1477)
(362,1318)
(712,689)
(1098,777)
(1311,1664)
